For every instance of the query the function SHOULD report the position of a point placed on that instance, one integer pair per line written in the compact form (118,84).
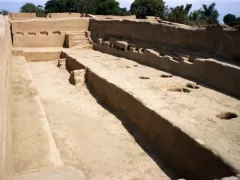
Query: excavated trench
(87,135)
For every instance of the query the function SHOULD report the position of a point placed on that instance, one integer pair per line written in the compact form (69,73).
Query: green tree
(210,13)
(179,14)
(108,7)
(29,8)
(32,8)
(4,12)
(227,19)
(153,7)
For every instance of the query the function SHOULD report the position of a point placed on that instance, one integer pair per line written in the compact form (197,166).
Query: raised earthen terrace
(115,98)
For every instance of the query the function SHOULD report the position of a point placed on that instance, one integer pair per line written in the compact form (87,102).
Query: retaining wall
(38,39)
(214,40)
(175,147)
(5,99)
(221,76)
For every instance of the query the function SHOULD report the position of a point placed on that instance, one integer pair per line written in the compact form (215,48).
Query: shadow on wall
(221,76)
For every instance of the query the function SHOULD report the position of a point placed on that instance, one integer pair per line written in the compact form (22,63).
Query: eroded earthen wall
(75,24)
(21,16)
(63,15)
(177,148)
(5,100)
(215,40)
(222,76)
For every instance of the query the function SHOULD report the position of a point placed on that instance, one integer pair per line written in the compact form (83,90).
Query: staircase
(78,38)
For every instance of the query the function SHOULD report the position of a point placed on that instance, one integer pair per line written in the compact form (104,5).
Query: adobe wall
(20,16)
(39,39)
(63,15)
(222,76)
(5,98)
(40,25)
(182,153)
(214,40)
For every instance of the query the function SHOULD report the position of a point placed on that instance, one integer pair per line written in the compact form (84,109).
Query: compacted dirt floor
(88,137)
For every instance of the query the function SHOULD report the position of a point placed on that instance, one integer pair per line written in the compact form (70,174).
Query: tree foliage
(210,13)
(231,20)
(4,12)
(32,8)
(179,14)
(153,7)
(103,7)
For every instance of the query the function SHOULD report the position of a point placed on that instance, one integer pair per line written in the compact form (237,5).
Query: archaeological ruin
(104,97)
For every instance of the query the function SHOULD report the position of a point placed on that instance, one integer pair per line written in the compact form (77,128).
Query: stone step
(80,41)
(79,38)
(34,148)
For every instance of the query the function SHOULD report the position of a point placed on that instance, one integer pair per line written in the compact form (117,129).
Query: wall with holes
(218,75)
(38,39)
(213,40)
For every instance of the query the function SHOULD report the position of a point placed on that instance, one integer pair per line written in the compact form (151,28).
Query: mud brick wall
(181,152)
(221,76)
(213,40)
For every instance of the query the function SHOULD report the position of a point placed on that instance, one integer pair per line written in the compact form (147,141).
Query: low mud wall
(213,40)
(223,77)
(63,15)
(38,39)
(175,147)
(6,167)
(21,16)
(50,25)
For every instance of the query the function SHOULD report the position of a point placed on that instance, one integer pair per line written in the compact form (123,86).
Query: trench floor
(87,135)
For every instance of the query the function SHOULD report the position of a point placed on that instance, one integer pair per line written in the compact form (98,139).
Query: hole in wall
(44,33)
(31,33)
(144,77)
(226,115)
(192,86)
(135,65)
(166,75)
(20,33)
(56,33)
(179,89)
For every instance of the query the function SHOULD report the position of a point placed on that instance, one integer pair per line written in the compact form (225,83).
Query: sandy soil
(88,136)
(195,112)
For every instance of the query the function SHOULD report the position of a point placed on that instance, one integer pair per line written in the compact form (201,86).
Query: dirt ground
(87,135)
(196,111)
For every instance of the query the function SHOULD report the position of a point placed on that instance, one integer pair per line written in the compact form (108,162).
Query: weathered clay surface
(225,77)
(151,107)
(213,40)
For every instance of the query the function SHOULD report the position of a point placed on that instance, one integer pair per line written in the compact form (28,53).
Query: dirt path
(88,137)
